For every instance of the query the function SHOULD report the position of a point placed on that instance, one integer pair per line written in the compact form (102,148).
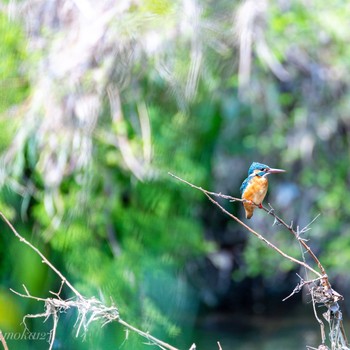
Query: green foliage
(14,85)
(127,235)
(263,260)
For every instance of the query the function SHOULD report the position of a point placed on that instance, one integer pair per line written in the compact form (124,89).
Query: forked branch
(89,309)
(267,242)
(320,287)
(296,234)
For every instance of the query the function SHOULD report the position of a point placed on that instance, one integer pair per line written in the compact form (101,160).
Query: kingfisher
(254,187)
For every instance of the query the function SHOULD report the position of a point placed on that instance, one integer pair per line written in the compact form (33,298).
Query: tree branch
(297,236)
(42,256)
(89,309)
(322,292)
(3,341)
(271,245)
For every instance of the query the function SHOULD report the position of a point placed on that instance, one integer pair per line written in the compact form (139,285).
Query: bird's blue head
(260,169)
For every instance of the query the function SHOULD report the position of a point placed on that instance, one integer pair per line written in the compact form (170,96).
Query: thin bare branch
(234,199)
(59,291)
(271,212)
(322,293)
(300,286)
(307,227)
(323,334)
(148,336)
(271,245)
(54,329)
(290,228)
(27,295)
(42,256)
(89,310)
(3,341)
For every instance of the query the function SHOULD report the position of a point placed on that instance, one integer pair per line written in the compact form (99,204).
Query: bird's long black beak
(275,171)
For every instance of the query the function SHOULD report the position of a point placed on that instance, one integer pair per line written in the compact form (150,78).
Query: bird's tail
(249,209)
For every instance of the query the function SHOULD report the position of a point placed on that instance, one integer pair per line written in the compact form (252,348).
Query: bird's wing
(244,184)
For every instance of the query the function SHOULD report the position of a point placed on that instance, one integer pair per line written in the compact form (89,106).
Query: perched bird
(254,187)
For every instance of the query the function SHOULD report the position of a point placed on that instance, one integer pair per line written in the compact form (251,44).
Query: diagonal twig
(271,245)
(233,199)
(290,228)
(3,341)
(42,256)
(90,309)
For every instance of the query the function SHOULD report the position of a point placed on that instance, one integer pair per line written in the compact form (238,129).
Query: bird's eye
(263,169)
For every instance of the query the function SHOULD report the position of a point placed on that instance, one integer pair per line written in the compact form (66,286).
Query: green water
(257,332)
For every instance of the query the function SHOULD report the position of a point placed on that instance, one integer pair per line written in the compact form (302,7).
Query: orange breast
(256,189)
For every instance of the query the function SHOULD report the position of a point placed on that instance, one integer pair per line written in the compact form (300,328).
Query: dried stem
(148,336)
(297,236)
(300,286)
(89,309)
(3,341)
(322,293)
(233,199)
(320,322)
(271,245)
(44,259)
(270,212)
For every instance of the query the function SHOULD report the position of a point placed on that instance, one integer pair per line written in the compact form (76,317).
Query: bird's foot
(260,206)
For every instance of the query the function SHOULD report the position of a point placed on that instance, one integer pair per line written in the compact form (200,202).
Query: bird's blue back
(245,184)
